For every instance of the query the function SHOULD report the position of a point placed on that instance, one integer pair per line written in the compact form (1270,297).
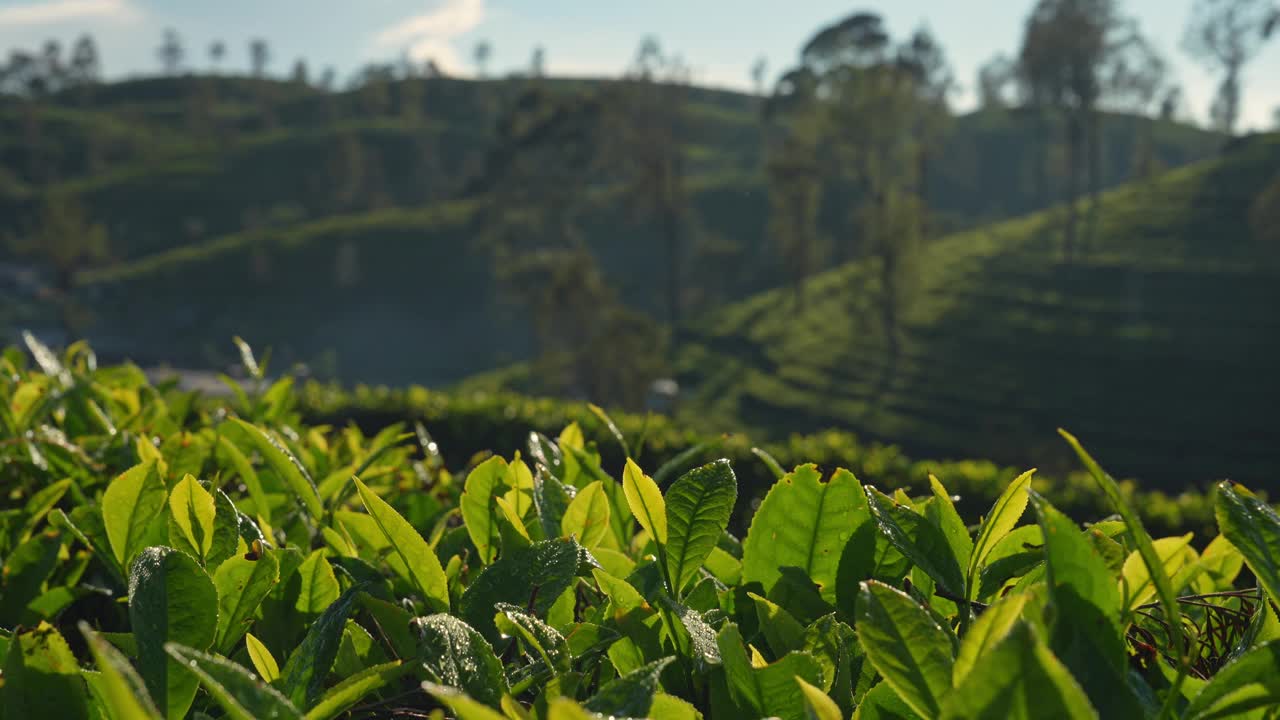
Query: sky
(719,39)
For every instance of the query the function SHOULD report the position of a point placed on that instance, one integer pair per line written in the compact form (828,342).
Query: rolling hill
(1157,347)
(292,215)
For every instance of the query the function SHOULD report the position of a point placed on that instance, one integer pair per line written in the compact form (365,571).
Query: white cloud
(59,11)
(431,34)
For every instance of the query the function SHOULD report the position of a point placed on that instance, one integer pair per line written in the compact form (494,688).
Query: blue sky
(718,38)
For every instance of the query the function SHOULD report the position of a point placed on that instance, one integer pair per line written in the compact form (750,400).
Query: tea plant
(168,557)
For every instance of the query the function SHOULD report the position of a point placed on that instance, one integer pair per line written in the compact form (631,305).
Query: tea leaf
(908,648)
(804,523)
(423,567)
(1019,680)
(241,695)
(698,507)
(171,599)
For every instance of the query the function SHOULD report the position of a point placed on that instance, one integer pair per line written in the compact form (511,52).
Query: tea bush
(470,423)
(166,557)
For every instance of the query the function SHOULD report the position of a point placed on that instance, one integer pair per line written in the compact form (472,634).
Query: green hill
(1157,347)
(230,204)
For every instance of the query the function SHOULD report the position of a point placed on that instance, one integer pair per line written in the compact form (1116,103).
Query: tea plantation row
(167,557)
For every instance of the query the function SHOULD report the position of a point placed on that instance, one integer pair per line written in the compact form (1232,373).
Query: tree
(65,242)
(996,79)
(55,71)
(538,62)
(759,71)
(534,182)
(171,52)
(1225,35)
(1066,48)
(300,74)
(795,190)
(646,115)
(481,54)
(1135,79)
(259,57)
(86,68)
(1275,118)
(873,113)
(1170,103)
(217,53)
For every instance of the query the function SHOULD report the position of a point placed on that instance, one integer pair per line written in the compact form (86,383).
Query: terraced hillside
(1157,347)
(222,196)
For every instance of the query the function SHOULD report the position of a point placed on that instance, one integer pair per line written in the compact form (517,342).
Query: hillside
(230,203)
(1157,348)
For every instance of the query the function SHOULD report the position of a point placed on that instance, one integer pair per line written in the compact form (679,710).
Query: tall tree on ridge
(647,116)
(481,53)
(1225,35)
(259,57)
(1065,48)
(171,52)
(217,53)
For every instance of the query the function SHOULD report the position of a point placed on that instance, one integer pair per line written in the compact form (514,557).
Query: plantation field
(171,556)
(1154,345)
(220,195)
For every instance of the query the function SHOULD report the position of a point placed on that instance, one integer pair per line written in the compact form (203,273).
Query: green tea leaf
(353,689)
(986,632)
(587,516)
(1000,521)
(42,678)
(542,640)
(263,661)
(1085,593)
(458,656)
(804,523)
(124,693)
(479,514)
(226,531)
(192,510)
(670,707)
(462,706)
(942,513)
(532,577)
(1253,527)
(129,506)
(1248,683)
(247,474)
(241,695)
(285,465)
(630,695)
(1162,581)
(24,574)
(304,673)
(922,542)
(646,503)
(906,646)
(702,638)
(698,507)
(171,599)
(783,631)
(817,705)
(769,691)
(551,500)
(1136,586)
(319,585)
(882,702)
(242,586)
(1019,680)
(423,566)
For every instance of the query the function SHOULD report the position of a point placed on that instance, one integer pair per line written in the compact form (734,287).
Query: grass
(1165,330)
